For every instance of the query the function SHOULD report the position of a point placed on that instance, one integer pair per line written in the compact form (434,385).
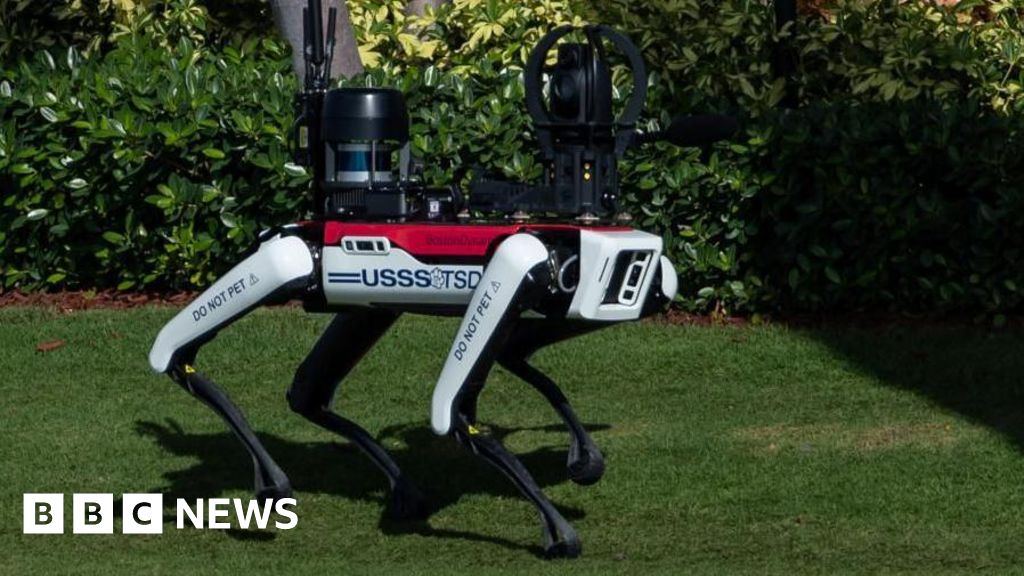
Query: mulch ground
(88,299)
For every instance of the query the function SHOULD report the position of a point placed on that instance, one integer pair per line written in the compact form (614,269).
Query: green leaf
(77,183)
(117,126)
(157,200)
(294,169)
(209,193)
(889,89)
(747,87)
(430,76)
(37,214)
(113,237)
(48,113)
(213,153)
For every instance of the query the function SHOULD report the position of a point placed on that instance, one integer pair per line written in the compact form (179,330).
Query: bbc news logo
(144,513)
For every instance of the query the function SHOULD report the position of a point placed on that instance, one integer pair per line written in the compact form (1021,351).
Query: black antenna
(332,16)
(310,100)
(316,40)
(307,48)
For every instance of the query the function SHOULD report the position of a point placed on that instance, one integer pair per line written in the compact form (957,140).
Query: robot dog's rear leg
(271,482)
(585,464)
(279,269)
(349,336)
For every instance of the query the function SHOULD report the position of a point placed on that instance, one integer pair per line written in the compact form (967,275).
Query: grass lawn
(729,450)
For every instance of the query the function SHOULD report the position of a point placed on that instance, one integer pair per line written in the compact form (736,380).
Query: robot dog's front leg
(517,276)
(281,268)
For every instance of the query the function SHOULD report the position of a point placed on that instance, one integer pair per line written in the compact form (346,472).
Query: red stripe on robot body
(467,240)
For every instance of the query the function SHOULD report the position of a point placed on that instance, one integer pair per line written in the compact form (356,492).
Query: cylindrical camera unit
(362,128)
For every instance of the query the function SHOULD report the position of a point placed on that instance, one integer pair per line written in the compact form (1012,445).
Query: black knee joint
(303,403)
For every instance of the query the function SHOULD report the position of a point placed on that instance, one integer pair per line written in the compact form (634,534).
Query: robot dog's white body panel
(381,273)
(370,270)
(494,297)
(277,262)
(393,276)
(599,258)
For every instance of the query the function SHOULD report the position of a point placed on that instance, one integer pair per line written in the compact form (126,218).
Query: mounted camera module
(363,129)
(580,140)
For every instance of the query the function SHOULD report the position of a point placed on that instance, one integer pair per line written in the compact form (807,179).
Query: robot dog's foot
(271,482)
(568,546)
(274,492)
(586,464)
(406,502)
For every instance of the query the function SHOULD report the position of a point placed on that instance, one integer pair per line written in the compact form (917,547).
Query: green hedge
(27,26)
(152,166)
(895,185)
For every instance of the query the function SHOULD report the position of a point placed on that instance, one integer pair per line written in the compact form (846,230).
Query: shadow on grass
(969,371)
(444,471)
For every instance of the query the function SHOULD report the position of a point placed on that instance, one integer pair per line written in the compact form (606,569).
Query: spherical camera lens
(564,95)
(564,88)
(568,58)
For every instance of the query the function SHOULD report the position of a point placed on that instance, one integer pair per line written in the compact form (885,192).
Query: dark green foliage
(27,26)
(151,166)
(894,207)
(894,185)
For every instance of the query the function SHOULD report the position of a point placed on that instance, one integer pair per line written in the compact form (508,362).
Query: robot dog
(544,263)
